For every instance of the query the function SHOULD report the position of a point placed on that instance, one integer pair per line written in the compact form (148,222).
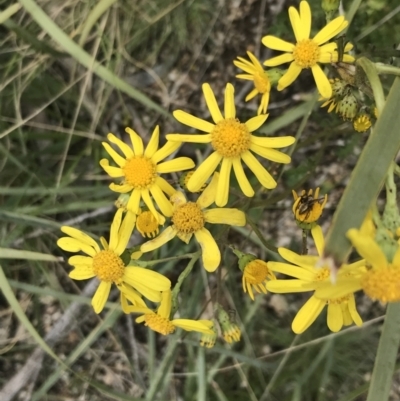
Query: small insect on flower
(307,208)
(306,205)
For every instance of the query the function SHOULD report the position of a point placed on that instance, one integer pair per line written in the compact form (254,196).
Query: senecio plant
(159,210)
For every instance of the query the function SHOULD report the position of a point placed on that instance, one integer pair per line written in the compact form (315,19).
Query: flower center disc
(306,53)
(382,284)
(188,218)
(140,172)
(256,272)
(230,138)
(261,83)
(108,266)
(159,323)
(322,274)
(147,224)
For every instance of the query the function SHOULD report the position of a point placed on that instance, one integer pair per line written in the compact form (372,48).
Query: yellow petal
(341,288)
(136,140)
(256,122)
(290,76)
(169,148)
(190,138)
(307,262)
(368,249)
(134,201)
(212,103)
(353,311)
(114,230)
(82,272)
(125,232)
(192,121)
(222,196)
(291,270)
(296,24)
(164,310)
(178,164)
(289,286)
(251,95)
(229,110)
(305,18)
(276,142)
(264,103)
(162,201)
(271,154)
(165,186)
(114,155)
(330,30)
(100,296)
(192,325)
(203,173)
(80,260)
(73,245)
(145,194)
(125,149)
(80,236)
(152,146)
(335,317)
(167,235)
(318,238)
(241,177)
(121,188)
(113,172)
(277,44)
(307,315)
(278,60)
(211,255)
(207,197)
(259,171)
(323,84)
(233,217)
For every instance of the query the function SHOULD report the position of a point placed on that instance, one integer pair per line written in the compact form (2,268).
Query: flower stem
(386,356)
(387,69)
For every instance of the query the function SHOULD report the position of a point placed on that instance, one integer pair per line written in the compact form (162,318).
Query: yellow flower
(106,264)
(255,274)
(147,224)
(362,123)
(307,277)
(255,73)
(230,330)
(160,321)
(189,218)
(308,208)
(232,142)
(381,280)
(141,169)
(208,340)
(306,52)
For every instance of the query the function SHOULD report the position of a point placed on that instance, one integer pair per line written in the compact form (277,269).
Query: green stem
(386,356)
(387,69)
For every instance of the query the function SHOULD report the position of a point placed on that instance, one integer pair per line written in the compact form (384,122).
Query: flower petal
(192,121)
(156,281)
(241,177)
(256,122)
(114,155)
(305,18)
(134,201)
(165,186)
(289,286)
(125,149)
(307,314)
(259,171)
(80,236)
(305,261)
(82,272)
(275,142)
(162,153)
(229,109)
(125,232)
(152,146)
(233,217)
(113,172)
(137,142)
(335,317)
(211,255)
(341,288)
(80,260)
(167,235)
(296,23)
(290,76)
(318,238)
(162,201)
(330,30)
(164,310)
(278,60)
(277,44)
(322,81)
(222,196)
(100,296)
(207,197)
(353,311)
(178,164)
(292,271)
(191,138)
(115,225)
(212,103)
(203,173)
(368,249)
(121,188)
(149,201)
(73,245)
(271,154)
(192,325)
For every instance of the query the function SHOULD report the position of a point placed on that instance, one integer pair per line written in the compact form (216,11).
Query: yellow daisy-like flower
(307,277)
(141,169)
(255,73)
(106,264)
(160,321)
(232,142)
(306,52)
(255,275)
(308,208)
(189,218)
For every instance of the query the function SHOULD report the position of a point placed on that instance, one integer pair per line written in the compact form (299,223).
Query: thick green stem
(386,356)
(387,69)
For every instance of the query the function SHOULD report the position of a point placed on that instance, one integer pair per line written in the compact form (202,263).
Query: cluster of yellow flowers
(148,201)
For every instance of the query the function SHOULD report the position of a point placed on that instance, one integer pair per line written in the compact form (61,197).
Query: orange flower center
(306,53)
(256,272)
(382,284)
(147,224)
(230,138)
(322,274)
(108,267)
(188,218)
(140,172)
